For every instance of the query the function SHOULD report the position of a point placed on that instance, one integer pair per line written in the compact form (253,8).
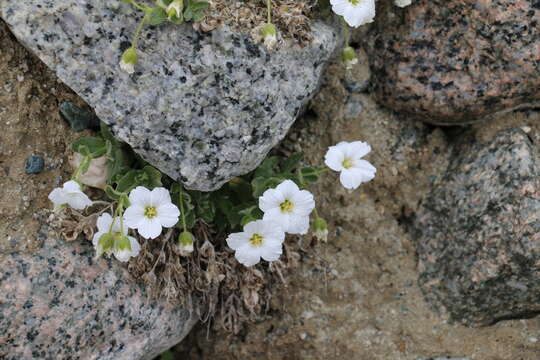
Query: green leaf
(206,209)
(167,355)
(128,182)
(309,175)
(154,177)
(268,167)
(291,163)
(112,194)
(163,3)
(156,16)
(90,146)
(195,10)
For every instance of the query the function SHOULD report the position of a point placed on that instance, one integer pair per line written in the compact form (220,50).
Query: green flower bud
(122,243)
(320,229)
(128,60)
(175,9)
(269,36)
(185,243)
(348,56)
(105,244)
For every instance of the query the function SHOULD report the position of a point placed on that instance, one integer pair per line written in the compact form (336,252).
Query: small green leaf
(267,167)
(156,16)
(309,175)
(90,146)
(112,194)
(292,162)
(128,182)
(154,177)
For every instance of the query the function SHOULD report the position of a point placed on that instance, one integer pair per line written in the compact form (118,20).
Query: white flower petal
(125,255)
(149,228)
(168,214)
(72,186)
(237,240)
(365,170)
(246,256)
(278,217)
(288,188)
(298,225)
(104,222)
(133,216)
(349,179)
(303,203)
(334,158)
(78,201)
(271,253)
(159,196)
(57,196)
(357,149)
(135,247)
(140,196)
(270,199)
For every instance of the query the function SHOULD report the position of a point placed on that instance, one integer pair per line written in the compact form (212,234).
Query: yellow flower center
(286,206)
(256,240)
(354,2)
(150,212)
(347,163)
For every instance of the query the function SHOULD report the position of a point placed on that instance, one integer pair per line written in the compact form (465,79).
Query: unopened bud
(320,229)
(269,36)
(128,60)
(349,57)
(185,243)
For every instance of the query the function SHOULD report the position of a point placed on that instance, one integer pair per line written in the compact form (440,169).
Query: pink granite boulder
(456,62)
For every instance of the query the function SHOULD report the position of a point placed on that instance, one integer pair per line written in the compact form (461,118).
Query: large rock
(203,108)
(454,62)
(60,303)
(478,233)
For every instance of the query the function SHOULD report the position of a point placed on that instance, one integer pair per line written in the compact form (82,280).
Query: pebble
(34,164)
(78,118)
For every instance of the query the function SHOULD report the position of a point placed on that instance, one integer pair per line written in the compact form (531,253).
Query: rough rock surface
(202,108)
(478,236)
(60,303)
(454,62)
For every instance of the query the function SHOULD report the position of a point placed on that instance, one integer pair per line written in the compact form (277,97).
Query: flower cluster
(287,208)
(277,204)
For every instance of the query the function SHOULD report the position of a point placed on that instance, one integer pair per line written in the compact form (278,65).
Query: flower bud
(122,243)
(105,244)
(185,243)
(349,57)
(320,229)
(128,60)
(269,36)
(175,9)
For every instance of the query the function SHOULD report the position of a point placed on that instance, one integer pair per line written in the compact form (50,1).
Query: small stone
(34,164)
(78,118)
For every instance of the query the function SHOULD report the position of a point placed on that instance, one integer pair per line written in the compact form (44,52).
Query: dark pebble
(34,164)
(78,118)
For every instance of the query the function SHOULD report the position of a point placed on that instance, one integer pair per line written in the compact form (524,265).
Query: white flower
(70,194)
(289,206)
(355,12)
(346,157)
(260,238)
(150,211)
(119,233)
(402,3)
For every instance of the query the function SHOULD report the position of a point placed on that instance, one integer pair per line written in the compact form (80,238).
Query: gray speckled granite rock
(478,233)
(203,108)
(60,303)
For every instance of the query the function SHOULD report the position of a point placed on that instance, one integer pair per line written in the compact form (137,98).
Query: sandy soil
(356,296)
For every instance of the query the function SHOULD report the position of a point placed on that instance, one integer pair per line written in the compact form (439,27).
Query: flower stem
(138,32)
(181,197)
(346,32)
(84,164)
(269,8)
